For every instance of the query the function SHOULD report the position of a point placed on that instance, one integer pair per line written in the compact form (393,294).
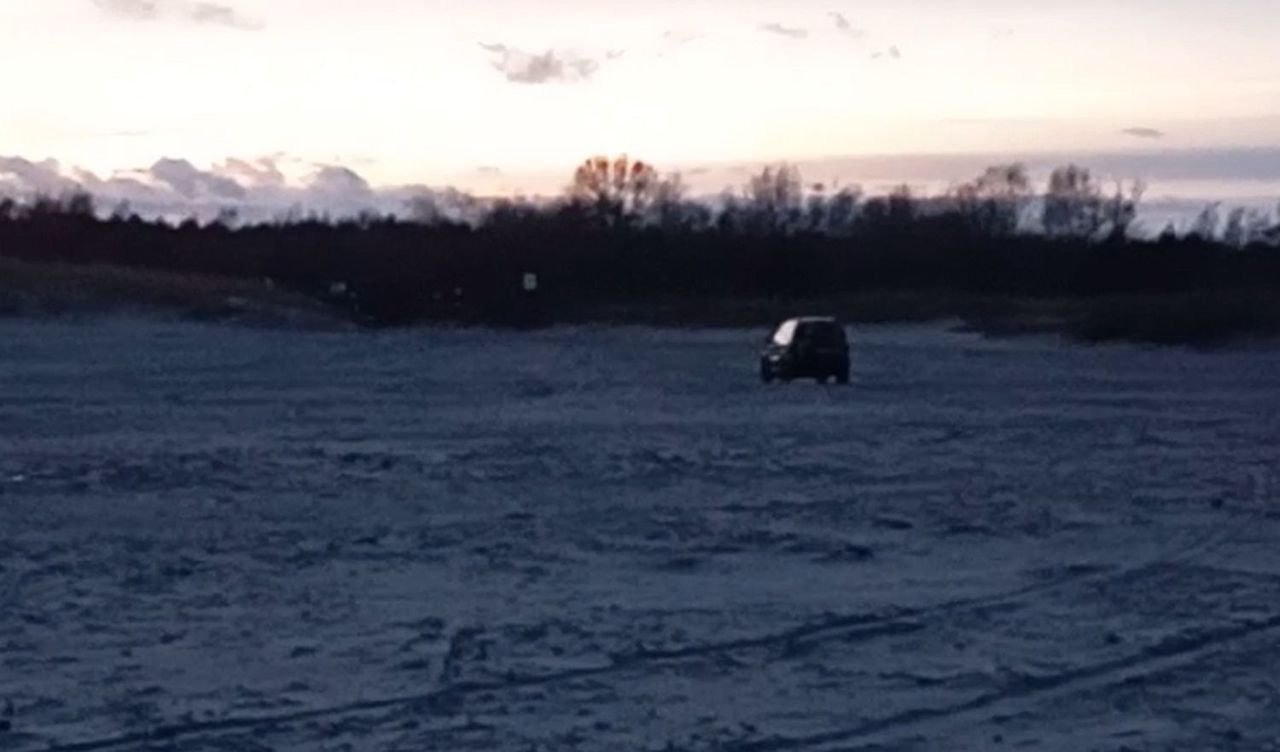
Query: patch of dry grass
(50,289)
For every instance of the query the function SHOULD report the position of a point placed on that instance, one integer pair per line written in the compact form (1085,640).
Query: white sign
(530,282)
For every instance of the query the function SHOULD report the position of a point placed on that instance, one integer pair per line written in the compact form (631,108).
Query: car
(812,347)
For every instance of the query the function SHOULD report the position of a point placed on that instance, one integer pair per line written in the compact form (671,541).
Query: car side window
(818,334)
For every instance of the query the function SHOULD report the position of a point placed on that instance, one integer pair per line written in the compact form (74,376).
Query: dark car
(806,348)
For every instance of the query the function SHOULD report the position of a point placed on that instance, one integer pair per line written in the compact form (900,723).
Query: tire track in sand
(856,627)
(1172,653)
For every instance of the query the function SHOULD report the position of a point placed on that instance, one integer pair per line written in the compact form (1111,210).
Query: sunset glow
(487,94)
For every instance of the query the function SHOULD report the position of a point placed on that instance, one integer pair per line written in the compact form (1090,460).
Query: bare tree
(1121,210)
(842,211)
(1259,228)
(902,206)
(817,209)
(993,203)
(1073,205)
(672,211)
(437,207)
(122,211)
(1206,225)
(890,215)
(80,204)
(616,192)
(1245,227)
(730,217)
(228,218)
(774,199)
(1233,233)
(75,204)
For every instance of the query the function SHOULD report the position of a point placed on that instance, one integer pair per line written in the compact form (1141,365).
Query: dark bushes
(645,245)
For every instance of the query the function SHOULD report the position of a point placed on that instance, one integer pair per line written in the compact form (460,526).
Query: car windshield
(785,334)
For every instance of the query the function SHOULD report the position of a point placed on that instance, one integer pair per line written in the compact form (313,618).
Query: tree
(1073,205)
(1233,234)
(616,192)
(78,204)
(993,203)
(1121,210)
(228,218)
(902,205)
(122,211)
(672,212)
(774,198)
(1206,225)
(842,211)
(1246,227)
(893,214)
(424,209)
(730,218)
(508,213)
(817,209)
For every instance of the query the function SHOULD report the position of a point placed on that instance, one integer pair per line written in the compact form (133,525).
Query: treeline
(625,234)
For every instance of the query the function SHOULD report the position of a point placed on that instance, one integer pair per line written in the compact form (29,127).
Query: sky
(504,96)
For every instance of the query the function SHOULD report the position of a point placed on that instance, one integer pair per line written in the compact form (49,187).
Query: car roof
(814,320)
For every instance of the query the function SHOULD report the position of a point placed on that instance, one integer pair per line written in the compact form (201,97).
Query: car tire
(766,373)
(842,377)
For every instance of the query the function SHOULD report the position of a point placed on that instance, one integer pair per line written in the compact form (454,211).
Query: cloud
(142,10)
(1150,133)
(549,67)
(845,26)
(190,181)
(221,15)
(206,13)
(258,173)
(256,189)
(34,177)
(336,180)
(785,31)
(682,37)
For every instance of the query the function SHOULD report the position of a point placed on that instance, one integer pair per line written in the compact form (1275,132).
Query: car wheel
(842,377)
(766,373)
